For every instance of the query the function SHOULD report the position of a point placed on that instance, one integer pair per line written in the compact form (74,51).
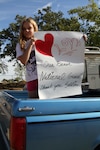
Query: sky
(10,8)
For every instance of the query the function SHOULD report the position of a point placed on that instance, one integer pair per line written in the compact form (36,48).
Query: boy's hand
(85,37)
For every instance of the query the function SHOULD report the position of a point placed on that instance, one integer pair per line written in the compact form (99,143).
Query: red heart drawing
(44,47)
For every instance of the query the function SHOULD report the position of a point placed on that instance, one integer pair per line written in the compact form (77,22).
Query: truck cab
(91,78)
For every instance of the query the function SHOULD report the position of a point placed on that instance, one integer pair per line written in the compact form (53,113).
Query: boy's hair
(21,37)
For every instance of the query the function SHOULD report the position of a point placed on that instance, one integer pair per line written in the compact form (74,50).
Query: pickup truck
(68,123)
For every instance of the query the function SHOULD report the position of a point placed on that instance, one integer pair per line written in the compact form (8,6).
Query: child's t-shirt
(31,68)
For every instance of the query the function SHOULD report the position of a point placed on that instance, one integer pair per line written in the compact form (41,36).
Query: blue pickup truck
(71,123)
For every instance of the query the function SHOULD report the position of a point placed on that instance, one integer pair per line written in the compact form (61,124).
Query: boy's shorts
(32,85)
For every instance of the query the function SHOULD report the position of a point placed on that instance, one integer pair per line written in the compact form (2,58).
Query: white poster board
(60,63)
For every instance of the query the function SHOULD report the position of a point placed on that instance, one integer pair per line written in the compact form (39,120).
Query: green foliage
(9,37)
(54,21)
(3,67)
(89,17)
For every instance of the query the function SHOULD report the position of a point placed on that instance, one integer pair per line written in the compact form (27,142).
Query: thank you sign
(60,63)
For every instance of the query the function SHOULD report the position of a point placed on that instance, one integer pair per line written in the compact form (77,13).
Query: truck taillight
(18,133)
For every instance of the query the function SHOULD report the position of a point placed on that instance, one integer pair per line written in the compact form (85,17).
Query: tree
(54,21)
(3,67)
(9,38)
(89,17)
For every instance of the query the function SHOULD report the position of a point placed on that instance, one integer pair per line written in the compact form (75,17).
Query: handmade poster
(60,63)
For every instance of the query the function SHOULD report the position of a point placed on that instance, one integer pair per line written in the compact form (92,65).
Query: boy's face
(28,30)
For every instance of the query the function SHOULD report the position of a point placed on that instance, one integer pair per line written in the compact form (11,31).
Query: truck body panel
(64,133)
(62,123)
